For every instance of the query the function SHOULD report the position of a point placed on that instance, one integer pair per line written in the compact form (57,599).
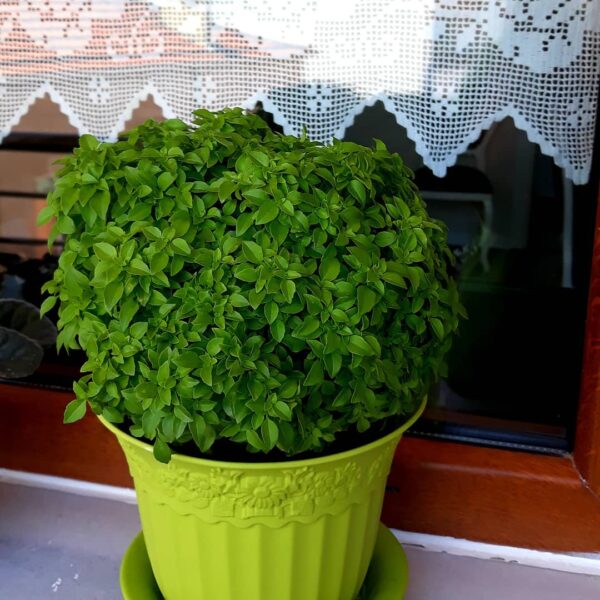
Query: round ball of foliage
(228,282)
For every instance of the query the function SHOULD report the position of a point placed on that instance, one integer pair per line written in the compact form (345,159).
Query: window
(512,390)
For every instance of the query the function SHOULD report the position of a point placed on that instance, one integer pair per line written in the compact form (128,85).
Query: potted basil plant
(262,317)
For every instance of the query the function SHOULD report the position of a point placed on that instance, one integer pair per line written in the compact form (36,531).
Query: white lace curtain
(447,69)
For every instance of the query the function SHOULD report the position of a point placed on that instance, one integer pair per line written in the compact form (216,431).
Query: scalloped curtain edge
(578,177)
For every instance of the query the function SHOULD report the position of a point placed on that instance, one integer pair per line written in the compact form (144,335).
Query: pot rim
(269,465)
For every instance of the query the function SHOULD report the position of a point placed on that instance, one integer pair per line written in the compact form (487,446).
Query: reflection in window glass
(522,237)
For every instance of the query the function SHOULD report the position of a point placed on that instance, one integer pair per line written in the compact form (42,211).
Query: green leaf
(271,311)
(151,418)
(288,389)
(278,330)
(45,215)
(48,305)
(238,301)
(283,410)
(415,276)
(214,346)
(88,179)
(255,298)
(143,191)
(315,375)
(313,304)
(138,330)
(267,212)
(65,225)
(243,222)
(270,433)
(252,251)
(140,212)
(182,413)
(158,263)
(68,313)
(112,294)
(362,255)
(152,233)
(163,374)
(188,360)
(279,231)
(254,440)
(417,324)
(357,345)
(358,190)
(206,373)
(394,278)
(177,264)
(138,267)
(75,410)
(329,268)
(209,438)
(308,328)
(128,310)
(247,274)
(231,244)
(257,195)
(198,429)
(385,238)
(88,142)
(333,363)
(333,341)
(438,327)
(100,202)
(260,157)
(374,343)
(181,222)
(161,451)
(226,189)
(165,180)
(367,299)
(288,289)
(343,398)
(339,315)
(181,246)
(112,415)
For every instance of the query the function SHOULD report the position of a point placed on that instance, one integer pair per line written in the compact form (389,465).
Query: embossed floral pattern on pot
(228,493)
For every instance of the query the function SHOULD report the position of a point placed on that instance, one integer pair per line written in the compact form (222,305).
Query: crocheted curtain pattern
(447,69)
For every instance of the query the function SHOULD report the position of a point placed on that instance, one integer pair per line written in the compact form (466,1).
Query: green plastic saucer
(386,580)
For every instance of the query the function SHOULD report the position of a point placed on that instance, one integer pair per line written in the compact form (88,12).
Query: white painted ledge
(69,486)
(569,563)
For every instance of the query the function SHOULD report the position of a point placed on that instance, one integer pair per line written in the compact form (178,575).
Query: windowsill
(59,542)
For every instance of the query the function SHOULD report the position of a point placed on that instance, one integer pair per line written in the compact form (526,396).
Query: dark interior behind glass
(522,235)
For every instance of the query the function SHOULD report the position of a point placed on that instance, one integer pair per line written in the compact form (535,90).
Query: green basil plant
(231,283)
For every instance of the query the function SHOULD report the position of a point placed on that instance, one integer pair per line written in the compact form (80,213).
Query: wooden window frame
(505,496)
(445,488)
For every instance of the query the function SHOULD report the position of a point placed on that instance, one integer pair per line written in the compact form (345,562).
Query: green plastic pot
(298,530)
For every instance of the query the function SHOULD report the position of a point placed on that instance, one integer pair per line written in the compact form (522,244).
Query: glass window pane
(522,236)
